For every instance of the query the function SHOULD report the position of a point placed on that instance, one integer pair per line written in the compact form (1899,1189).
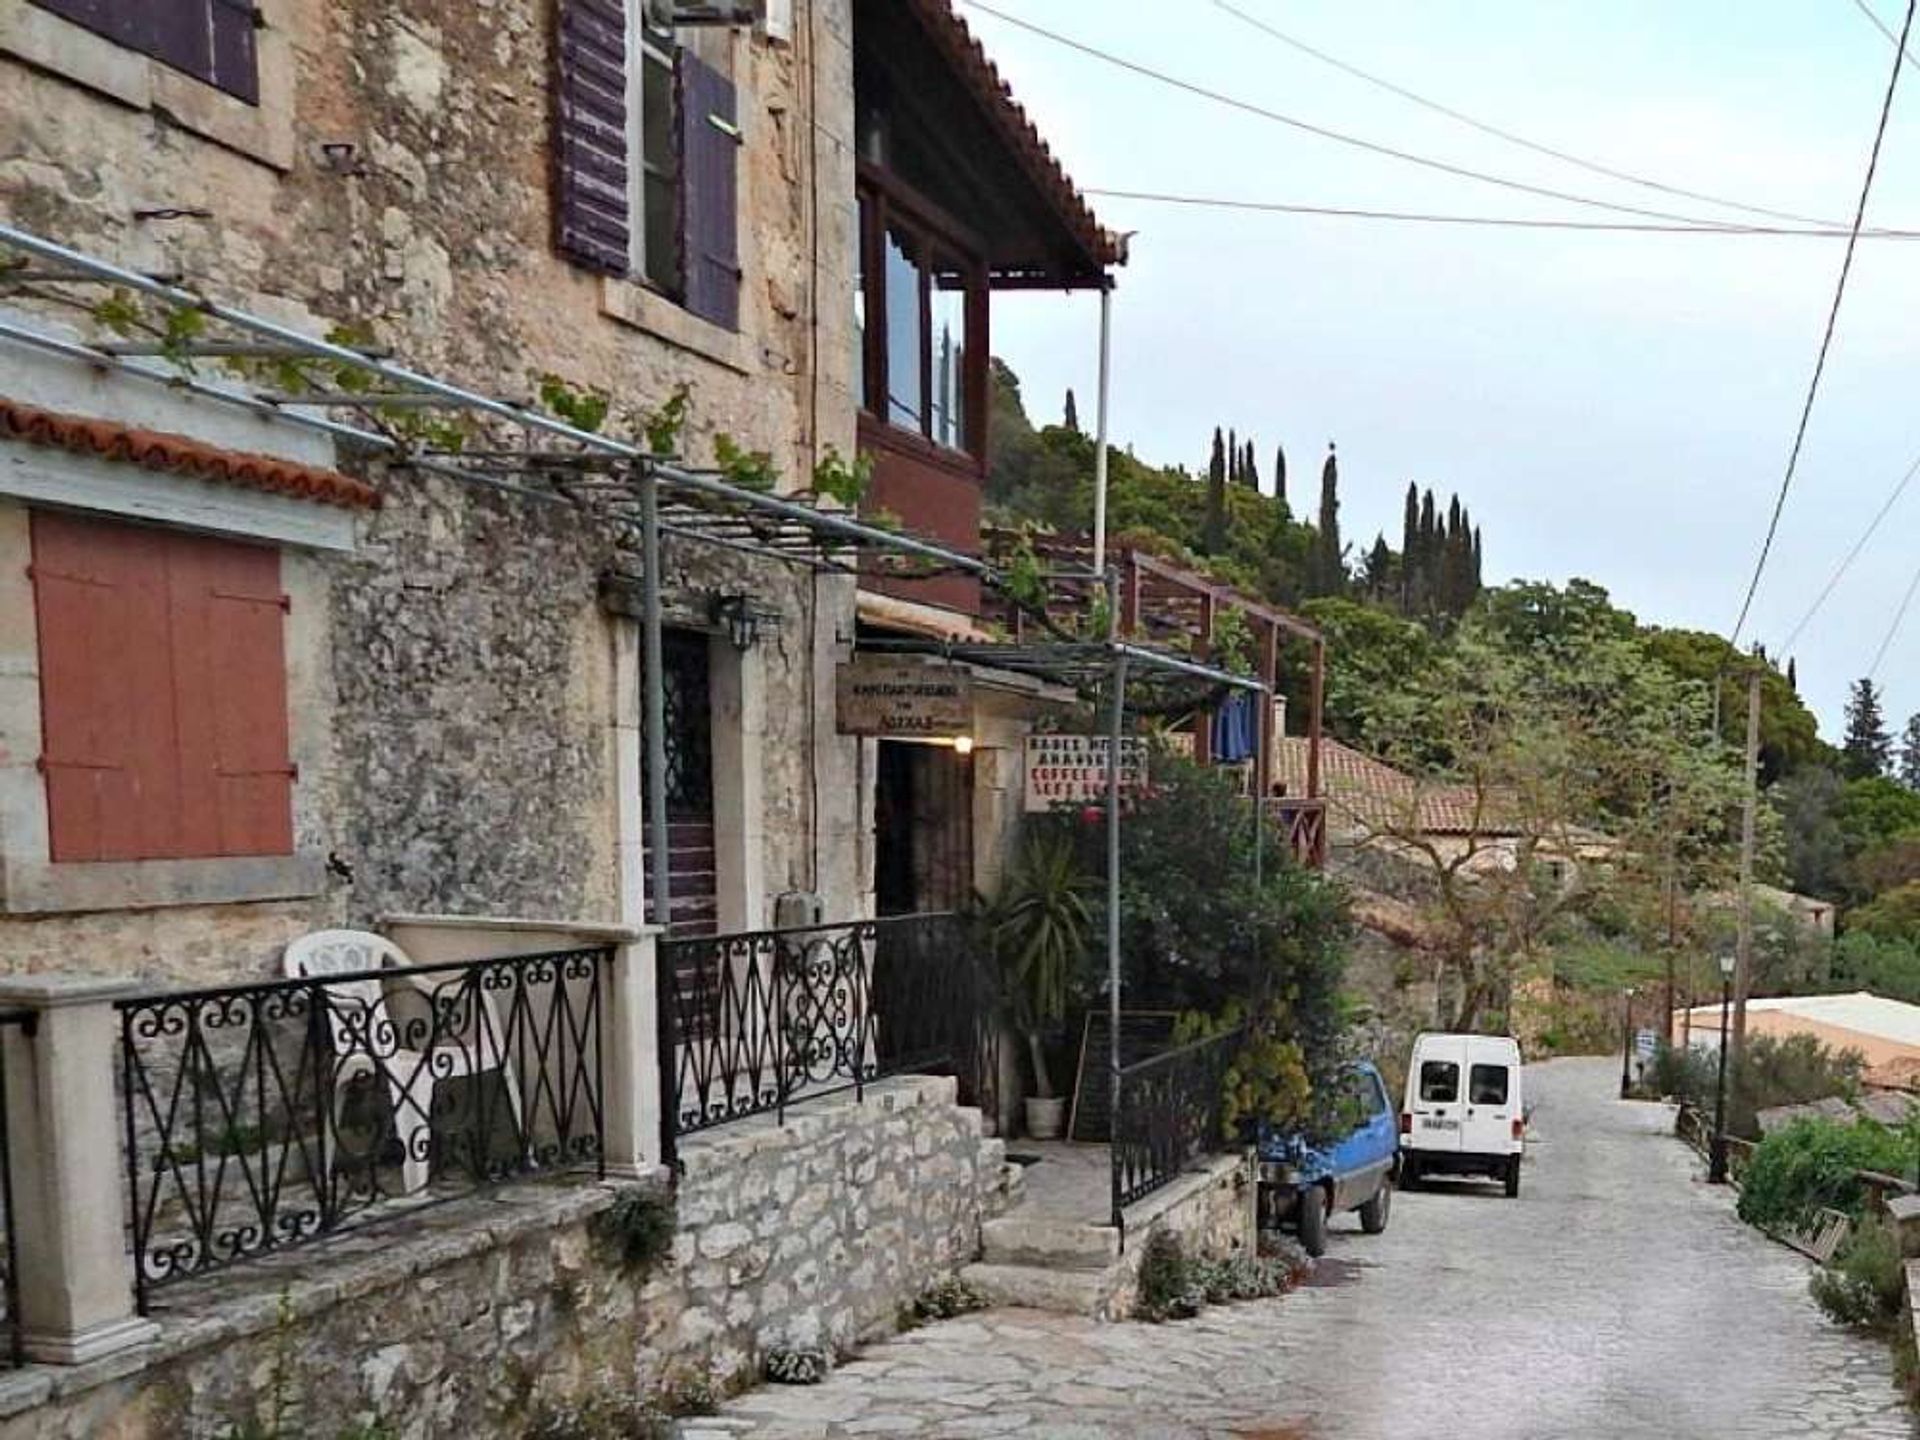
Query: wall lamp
(741,618)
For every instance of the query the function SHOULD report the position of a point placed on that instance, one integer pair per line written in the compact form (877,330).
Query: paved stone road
(1618,1297)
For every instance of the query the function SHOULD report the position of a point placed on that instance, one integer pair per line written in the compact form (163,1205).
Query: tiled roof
(1369,794)
(980,75)
(160,450)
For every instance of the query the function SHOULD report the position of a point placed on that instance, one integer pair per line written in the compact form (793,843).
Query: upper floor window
(920,315)
(648,137)
(211,40)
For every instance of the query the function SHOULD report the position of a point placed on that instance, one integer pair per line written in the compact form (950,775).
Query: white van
(1464,1113)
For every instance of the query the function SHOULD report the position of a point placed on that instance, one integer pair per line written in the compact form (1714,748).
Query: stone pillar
(65,1135)
(630,1073)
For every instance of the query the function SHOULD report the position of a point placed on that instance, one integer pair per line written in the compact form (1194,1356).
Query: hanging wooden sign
(902,699)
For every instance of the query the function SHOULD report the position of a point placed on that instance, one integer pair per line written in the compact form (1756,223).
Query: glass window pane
(1440,1082)
(948,331)
(1487,1085)
(859,357)
(903,331)
(659,228)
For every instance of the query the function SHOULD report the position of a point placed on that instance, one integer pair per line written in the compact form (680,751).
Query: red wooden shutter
(709,191)
(230,693)
(162,692)
(590,138)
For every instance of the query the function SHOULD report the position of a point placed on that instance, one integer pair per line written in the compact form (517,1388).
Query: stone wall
(467,1320)
(1214,1210)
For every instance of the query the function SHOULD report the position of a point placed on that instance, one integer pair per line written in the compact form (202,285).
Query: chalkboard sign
(1142,1033)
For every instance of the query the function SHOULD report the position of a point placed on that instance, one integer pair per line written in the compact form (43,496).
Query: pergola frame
(538,455)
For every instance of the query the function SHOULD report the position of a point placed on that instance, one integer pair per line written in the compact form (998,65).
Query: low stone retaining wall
(468,1319)
(1213,1210)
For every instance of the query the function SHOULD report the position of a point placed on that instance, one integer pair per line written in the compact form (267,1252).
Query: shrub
(1167,1290)
(798,1367)
(1790,1070)
(639,1227)
(601,1417)
(1811,1165)
(1174,1287)
(943,1300)
(1864,1285)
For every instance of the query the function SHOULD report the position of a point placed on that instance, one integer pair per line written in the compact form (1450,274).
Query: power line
(1648,227)
(1873,16)
(1487,128)
(1894,629)
(1833,320)
(1370,146)
(1851,555)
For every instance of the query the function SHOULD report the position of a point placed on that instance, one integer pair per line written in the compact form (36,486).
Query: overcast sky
(1618,407)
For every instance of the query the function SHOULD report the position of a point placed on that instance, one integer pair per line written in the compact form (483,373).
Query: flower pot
(1046,1118)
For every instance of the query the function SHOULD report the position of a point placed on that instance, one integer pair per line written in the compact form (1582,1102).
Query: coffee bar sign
(1072,769)
(902,699)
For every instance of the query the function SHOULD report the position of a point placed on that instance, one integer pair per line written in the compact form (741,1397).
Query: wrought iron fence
(15,1025)
(1166,1115)
(264,1116)
(754,1022)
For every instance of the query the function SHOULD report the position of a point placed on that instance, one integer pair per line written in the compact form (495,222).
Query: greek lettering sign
(1072,769)
(878,696)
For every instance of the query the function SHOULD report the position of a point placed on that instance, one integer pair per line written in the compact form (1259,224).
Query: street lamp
(1717,1157)
(1626,1041)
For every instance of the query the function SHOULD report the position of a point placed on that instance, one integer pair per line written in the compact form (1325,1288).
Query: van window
(1439,1082)
(1487,1085)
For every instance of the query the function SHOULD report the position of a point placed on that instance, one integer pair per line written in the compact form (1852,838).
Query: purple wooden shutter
(709,192)
(118,20)
(236,66)
(590,200)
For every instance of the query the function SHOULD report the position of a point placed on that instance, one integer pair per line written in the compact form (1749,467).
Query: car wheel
(1313,1220)
(1513,1177)
(1373,1214)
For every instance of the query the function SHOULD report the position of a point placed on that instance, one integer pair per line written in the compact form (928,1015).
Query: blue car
(1305,1182)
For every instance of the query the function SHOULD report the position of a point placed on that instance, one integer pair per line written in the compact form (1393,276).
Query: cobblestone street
(1617,1297)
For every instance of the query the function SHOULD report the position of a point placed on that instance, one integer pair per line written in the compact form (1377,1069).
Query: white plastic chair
(366,1041)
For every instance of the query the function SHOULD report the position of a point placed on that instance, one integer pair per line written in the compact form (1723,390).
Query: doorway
(923,828)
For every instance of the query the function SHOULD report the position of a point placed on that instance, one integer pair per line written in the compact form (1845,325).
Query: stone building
(261,677)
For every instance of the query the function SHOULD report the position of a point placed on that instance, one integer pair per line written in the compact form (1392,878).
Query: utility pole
(1743,958)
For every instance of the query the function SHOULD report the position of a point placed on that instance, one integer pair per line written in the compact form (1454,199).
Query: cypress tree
(1233,458)
(1479,581)
(1379,568)
(1409,548)
(1910,754)
(1280,474)
(1249,470)
(1327,574)
(1073,413)
(1429,553)
(1793,678)
(1213,534)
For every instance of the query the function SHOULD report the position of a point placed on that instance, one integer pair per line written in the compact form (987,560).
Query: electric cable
(1421,217)
(1894,629)
(1873,17)
(1833,320)
(1498,133)
(1851,555)
(1308,127)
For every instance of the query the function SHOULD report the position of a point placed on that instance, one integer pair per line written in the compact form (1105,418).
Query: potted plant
(1037,926)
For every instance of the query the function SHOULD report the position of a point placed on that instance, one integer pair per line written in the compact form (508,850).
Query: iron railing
(752,1023)
(264,1116)
(15,1025)
(1166,1115)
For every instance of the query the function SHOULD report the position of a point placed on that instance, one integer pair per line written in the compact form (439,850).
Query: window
(163,693)
(1487,1085)
(1439,1082)
(918,303)
(648,154)
(211,40)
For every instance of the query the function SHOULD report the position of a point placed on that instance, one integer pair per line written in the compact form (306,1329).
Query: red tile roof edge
(180,454)
(982,76)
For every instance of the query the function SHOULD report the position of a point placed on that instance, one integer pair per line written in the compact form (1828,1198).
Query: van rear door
(1439,1090)
(1492,1100)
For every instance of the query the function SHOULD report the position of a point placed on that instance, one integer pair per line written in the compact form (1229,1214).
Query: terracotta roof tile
(1365,792)
(982,76)
(178,454)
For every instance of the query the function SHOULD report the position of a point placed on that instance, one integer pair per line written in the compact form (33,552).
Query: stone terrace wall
(468,1319)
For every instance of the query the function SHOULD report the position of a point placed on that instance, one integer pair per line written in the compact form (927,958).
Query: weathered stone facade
(465,697)
(814,1233)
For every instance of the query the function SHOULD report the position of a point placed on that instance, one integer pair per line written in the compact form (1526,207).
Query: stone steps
(1067,1292)
(1053,1244)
